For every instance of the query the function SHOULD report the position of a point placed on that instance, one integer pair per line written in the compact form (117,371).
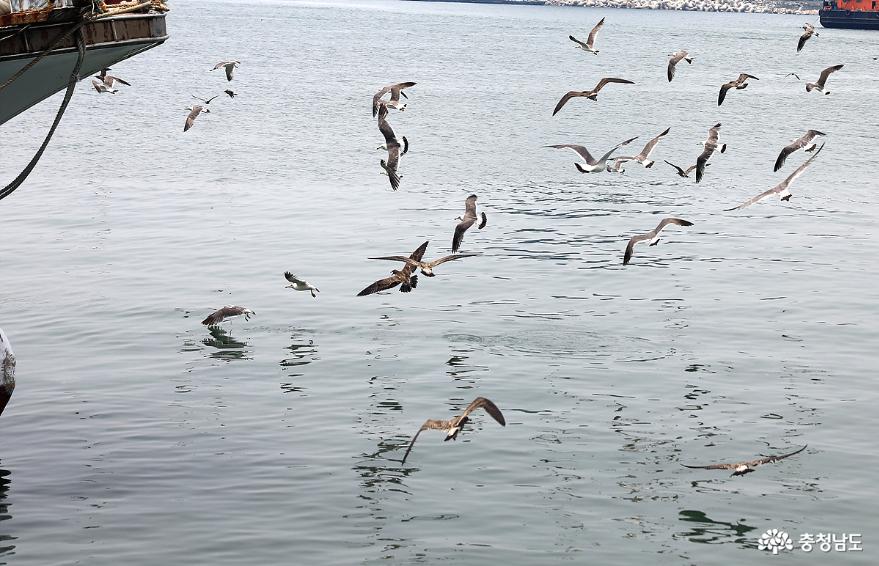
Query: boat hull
(849,14)
(107,43)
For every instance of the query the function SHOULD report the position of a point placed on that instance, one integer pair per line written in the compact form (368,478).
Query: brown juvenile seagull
(783,188)
(193,114)
(467,221)
(809,31)
(738,84)
(229,66)
(590,94)
(652,235)
(425,266)
(393,147)
(226,313)
(742,468)
(799,143)
(397,277)
(676,58)
(395,90)
(590,41)
(710,146)
(453,426)
(819,86)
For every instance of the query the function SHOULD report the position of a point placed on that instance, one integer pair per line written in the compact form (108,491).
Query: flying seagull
(393,147)
(782,189)
(738,84)
(795,145)
(206,102)
(592,165)
(466,222)
(396,90)
(110,80)
(590,94)
(229,66)
(453,426)
(684,172)
(618,164)
(793,75)
(676,58)
(193,114)
(652,235)
(590,41)
(809,31)
(425,266)
(397,277)
(7,370)
(226,313)
(644,157)
(819,86)
(230,93)
(742,468)
(710,147)
(300,284)
(102,88)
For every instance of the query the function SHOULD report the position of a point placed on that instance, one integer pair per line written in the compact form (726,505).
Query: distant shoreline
(729,6)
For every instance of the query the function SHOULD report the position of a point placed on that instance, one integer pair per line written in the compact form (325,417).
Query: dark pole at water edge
(7,370)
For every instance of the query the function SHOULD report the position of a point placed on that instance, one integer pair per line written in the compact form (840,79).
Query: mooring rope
(71,86)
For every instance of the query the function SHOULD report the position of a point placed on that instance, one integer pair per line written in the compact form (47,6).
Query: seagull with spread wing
(225,313)
(466,222)
(684,172)
(393,147)
(230,67)
(396,91)
(402,277)
(651,236)
(676,58)
(453,426)
(783,188)
(822,80)
(808,31)
(193,114)
(798,143)
(590,94)
(425,266)
(592,165)
(109,79)
(590,41)
(738,84)
(644,157)
(742,468)
(298,284)
(710,146)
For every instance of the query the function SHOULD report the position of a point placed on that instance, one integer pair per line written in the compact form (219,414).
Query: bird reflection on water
(709,531)
(228,348)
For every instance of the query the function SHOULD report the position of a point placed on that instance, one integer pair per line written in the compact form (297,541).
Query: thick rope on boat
(71,86)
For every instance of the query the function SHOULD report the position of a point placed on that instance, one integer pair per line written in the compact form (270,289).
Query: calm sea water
(136,436)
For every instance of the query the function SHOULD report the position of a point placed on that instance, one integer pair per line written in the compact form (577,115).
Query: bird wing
(672,65)
(418,254)
(799,170)
(679,170)
(428,425)
(630,247)
(393,177)
(470,206)
(616,147)
(229,69)
(459,232)
(703,160)
(377,97)
(385,128)
(826,73)
(397,89)
(488,406)
(292,278)
(590,41)
(402,258)
(677,221)
(745,76)
(218,65)
(120,80)
(564,100)
(484,221)
(777,189)
(452,257)
(773,458)
(713,466)
(648,149)
(97,84)
(713,134)
(381,285)
(193,114)
(581,151)
(607,80)
(405,146)
(799,143)
(577,41)
(690,169)
(802,41)
(722,94)
(208,101)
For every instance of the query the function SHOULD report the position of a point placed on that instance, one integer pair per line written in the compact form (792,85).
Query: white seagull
(783,188)
(819,86)
(230,67)
(592,165)
(300,284)
(644,157)
(590,41)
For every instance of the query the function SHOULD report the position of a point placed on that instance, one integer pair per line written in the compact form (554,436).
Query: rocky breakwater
(692,5)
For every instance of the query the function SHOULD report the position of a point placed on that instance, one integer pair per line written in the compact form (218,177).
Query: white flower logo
(775,540)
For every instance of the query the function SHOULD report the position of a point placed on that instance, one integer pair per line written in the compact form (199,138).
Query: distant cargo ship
(850,14)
